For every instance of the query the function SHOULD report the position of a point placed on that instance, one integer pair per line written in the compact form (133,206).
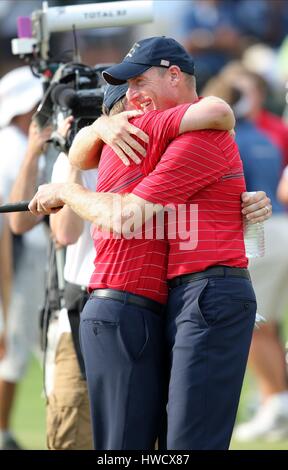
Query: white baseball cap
(20,92)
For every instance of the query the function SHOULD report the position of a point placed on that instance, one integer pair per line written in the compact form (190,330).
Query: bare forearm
(67,226)
(86,148)
(117,213)
(209,113)
(108,211)
(98,208)
(24,188)
(26,182)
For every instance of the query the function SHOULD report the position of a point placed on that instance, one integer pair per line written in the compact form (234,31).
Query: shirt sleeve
(163,124)
(162,127)
(190,163)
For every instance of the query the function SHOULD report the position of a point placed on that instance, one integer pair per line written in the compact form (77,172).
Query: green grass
(248,391)
(28,420)
(29,413)
(259,445)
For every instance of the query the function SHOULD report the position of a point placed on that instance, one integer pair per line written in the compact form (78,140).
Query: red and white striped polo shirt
(137,265)
(203,171)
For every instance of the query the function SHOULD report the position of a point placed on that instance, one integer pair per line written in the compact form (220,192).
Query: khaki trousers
(68,415)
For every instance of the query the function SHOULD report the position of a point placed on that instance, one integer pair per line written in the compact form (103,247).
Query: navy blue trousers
(122,346)
(209,328)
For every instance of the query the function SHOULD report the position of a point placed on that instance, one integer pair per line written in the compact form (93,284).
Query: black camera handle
(20,206)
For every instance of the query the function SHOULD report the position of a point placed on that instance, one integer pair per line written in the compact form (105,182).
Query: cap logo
(133,50)
(165,63)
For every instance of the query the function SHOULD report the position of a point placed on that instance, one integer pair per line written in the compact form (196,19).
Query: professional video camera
(72,88)
(69,89)
(76,90)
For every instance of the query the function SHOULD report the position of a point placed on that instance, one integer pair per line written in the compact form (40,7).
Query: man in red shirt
(233,276)
(131,274)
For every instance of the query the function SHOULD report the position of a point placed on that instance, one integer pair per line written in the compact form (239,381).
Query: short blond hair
(118,107)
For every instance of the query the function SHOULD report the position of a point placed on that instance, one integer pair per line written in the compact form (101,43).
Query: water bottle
(254,237)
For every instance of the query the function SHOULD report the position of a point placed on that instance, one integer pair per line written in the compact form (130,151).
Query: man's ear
(175,74)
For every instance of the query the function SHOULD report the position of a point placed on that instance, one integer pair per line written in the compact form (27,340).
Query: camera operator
(20,93)
(68,415)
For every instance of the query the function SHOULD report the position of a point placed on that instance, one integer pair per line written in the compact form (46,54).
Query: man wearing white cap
(20,92)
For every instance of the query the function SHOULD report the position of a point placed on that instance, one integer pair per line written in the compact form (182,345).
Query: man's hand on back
(117,132)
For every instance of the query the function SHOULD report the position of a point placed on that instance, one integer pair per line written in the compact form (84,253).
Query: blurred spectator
(262,20)
(282,191)
(261,59)
(67,407)
(267,356)
(20,92)
(264,61)
(217,31)
(210,33)
(260,96)
(263,162)
(5,291)
(270,123)
(283,60)
(66,386)
(166,20)
(5,283)
(283,67)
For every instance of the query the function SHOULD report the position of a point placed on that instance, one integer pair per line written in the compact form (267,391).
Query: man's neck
(188,97)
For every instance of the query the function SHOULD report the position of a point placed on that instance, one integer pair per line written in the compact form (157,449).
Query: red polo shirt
(136,265)
(203,171)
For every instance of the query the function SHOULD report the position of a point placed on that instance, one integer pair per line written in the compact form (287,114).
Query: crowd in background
(240,49)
